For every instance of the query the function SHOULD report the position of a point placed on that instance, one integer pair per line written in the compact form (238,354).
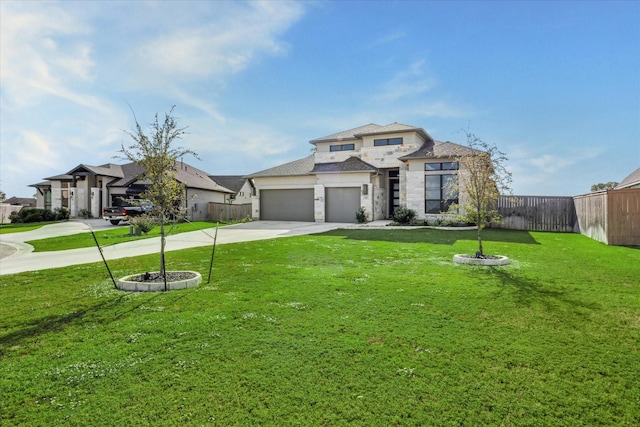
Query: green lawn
(20,227)
(349,327)
(111,236)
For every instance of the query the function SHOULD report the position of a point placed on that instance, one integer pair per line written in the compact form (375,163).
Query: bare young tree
(157,155)
(482,178)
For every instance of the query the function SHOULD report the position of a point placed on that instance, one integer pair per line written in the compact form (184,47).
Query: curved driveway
(17,256)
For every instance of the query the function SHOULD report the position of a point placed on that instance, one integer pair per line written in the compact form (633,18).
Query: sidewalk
(21,257)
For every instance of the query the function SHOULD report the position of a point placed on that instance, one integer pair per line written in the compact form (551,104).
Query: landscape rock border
(128,283)
(472,260)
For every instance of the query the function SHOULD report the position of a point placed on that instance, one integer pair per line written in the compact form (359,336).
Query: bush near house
(404,215)
(39,215)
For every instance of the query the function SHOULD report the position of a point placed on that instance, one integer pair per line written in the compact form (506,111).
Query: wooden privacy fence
(611,217)
(225,212)
(537,213)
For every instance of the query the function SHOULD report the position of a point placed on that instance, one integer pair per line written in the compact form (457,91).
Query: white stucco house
(376,167)
(91,188)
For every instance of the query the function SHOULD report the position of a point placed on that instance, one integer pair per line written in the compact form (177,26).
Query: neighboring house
(92,188)
(632,181)
(26,202)
(14,205)
(242,188)
(376,167)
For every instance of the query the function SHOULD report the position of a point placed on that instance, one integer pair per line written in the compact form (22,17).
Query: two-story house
(376,167)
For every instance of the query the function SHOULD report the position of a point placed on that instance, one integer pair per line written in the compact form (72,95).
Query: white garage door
(287,205)
(341,204)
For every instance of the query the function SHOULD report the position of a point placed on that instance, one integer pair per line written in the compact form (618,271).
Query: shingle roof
(352,164)
(21,201)
(347,134)
(61,177)
(109,169)
(297,167)
(630,181)
(232,182)
(195,178)
(438,149)
(131,172)
(370,129)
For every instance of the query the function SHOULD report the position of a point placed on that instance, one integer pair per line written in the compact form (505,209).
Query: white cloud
(240,139)
(40,54)
(411,80)
(35,150)
(223,44)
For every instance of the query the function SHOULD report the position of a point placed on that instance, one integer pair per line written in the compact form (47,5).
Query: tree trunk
(480,252)
(162,244)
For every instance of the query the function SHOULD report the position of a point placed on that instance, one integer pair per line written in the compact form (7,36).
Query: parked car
(127,209)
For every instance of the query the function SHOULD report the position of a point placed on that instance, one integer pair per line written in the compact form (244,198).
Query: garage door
(341,204)
(287,205)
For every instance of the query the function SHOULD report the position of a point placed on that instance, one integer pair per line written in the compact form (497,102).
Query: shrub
(85,213)
(31,215)
(15,218)
(404,215)
(61,214)
(48,215)
(361,215)
(145,222)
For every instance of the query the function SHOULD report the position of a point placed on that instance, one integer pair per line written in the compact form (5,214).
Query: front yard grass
(349,327)
(110,236)
(20,227)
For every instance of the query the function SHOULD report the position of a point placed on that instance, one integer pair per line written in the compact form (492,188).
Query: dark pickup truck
(127,209)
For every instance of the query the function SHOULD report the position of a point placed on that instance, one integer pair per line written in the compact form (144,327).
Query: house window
(439,186)
(342,147)
(443,166)
(387,141)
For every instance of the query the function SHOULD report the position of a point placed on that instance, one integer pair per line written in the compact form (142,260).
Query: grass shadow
(528,292)
(432,236)
(102,313)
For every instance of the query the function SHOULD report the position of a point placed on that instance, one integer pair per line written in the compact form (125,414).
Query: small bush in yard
(144,222)
(404,215)
(361,215)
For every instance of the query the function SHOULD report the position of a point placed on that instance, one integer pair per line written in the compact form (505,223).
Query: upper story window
(444,166)
(342,147)
(387,141)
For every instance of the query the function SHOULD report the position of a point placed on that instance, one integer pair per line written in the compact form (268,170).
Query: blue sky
(555,85)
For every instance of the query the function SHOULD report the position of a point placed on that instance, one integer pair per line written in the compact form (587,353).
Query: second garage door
(342,204)
(287,205)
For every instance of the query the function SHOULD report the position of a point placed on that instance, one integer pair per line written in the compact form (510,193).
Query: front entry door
(394,195)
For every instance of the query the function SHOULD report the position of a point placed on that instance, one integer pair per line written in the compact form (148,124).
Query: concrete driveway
(16,256)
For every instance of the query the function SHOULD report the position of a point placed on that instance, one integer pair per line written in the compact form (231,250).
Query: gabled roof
(61,177)
(438,149)
(109,169)
(352,164)
(20,201)
(232,182)
(297,167)
(346,134)
(195,178)
(131,172)
(369,130)
(630,181)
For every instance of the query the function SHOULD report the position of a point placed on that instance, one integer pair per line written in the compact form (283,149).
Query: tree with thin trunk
(157,156)
(482,178)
